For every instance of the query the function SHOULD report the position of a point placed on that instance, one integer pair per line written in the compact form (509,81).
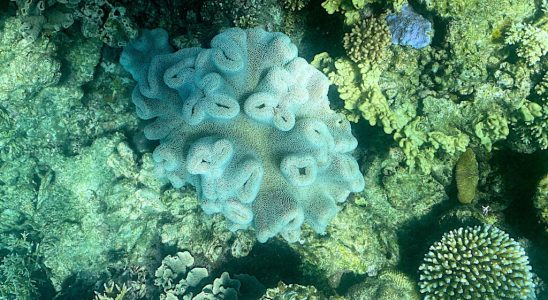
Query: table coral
(248,123)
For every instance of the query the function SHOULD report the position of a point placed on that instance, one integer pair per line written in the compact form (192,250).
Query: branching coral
(358,89)
(531,41)
(368,41)
(480,262)
(420,145)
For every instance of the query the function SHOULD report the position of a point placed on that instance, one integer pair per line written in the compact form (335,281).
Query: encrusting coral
(248,124)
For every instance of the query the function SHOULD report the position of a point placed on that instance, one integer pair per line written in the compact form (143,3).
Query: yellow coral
(368,41)
(492,129)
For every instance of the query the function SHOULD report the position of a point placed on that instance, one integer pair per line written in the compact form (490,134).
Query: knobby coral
(248,123)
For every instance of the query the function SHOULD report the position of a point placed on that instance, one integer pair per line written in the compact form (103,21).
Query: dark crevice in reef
(270,263)
(522,173)
(416,236)
(322,33)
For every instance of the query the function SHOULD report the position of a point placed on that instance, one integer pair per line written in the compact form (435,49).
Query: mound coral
(480,262)
(248,123)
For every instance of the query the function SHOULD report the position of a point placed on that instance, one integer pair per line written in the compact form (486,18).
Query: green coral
(480,262)
(294,292)
(420,144)
(349,8)
(20,266)
(294,5)
(531,125)
(358,89)
(531,41)
(540,202)
(492,129)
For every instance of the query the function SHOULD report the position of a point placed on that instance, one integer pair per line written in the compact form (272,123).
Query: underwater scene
(273,149)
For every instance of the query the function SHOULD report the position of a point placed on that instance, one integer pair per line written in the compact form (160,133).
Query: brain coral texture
(248,123)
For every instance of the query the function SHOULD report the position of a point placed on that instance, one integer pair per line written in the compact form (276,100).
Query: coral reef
(294,5)
(83,213)
(531,41)
(474,263)
(99,19)
(286,144)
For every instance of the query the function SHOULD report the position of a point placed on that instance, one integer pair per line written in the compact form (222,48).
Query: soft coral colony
(248,123)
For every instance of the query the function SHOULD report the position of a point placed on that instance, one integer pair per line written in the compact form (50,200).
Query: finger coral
(368,41)
(248,123)
(480,262)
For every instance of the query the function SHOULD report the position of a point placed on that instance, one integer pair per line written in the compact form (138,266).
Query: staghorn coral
(368,41)
(480,262)
(248,123)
